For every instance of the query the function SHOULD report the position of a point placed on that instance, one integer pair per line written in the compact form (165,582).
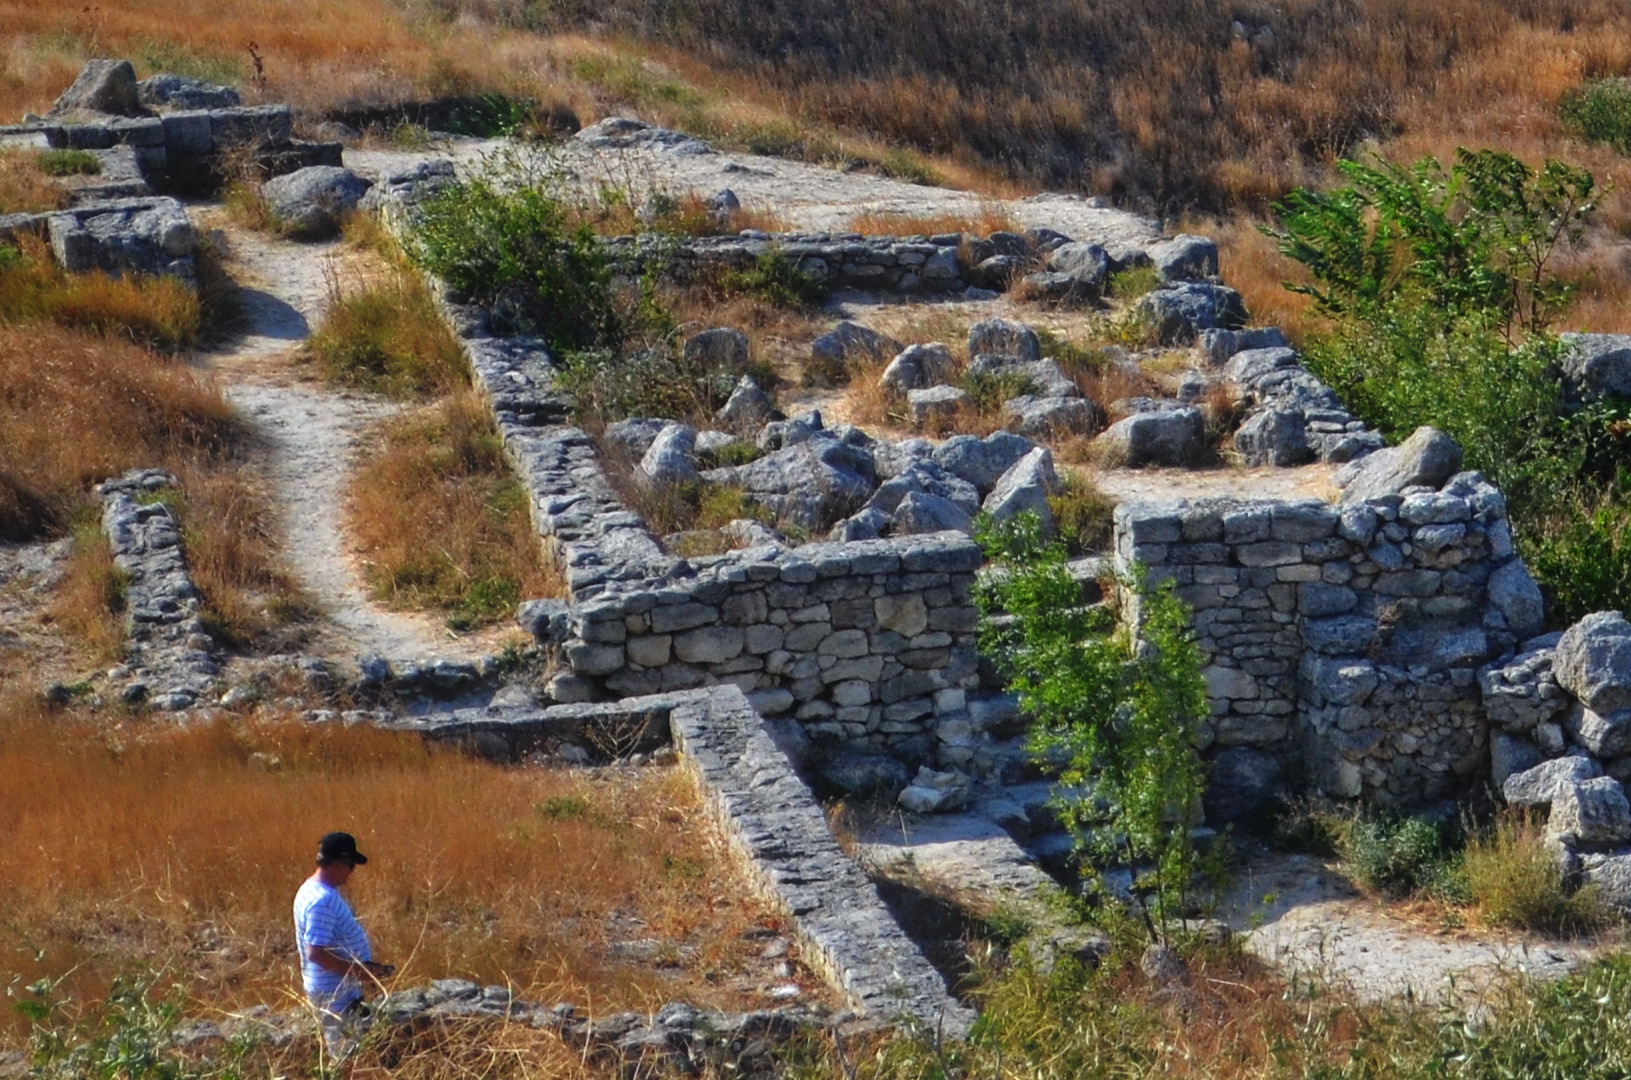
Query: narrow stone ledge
(172,661)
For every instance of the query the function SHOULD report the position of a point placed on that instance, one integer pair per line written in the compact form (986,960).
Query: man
(334,951)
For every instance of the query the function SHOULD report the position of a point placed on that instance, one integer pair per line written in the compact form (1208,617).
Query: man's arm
(329,959)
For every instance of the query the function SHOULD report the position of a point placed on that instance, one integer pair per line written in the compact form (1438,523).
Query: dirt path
(308,435)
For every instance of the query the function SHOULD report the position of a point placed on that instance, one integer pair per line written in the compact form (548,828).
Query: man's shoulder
(316,896)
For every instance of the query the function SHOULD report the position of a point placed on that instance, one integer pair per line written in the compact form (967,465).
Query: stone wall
(869,643)
(912,264)
(1345,640)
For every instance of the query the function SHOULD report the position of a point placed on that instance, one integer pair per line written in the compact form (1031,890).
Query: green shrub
(1600,112)
(1132,283)
(1120,712)
(1404,856)
(988,390)
(508,243)
(388,338)
(736,453)
(777,281)
(490,116)
(69,163)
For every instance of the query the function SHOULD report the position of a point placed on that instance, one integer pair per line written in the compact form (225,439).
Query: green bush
(1441,288)
(777,281)
(1404,856)
(1600,112)
(1120,712)
(508,243)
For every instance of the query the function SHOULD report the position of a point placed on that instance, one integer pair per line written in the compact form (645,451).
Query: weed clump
(159,312)
(68,163)
(775,280)
(1512,879)
(1600,111)
(1084,515)
(388,337)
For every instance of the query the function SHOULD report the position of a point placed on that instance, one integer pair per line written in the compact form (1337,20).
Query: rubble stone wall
(912,264)
(1345,640)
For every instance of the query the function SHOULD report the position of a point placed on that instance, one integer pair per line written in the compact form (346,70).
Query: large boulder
(144,236)
(1597,365)
(1218,346)
(1593,661)
(1590,813)
(1277,437)
(1427,459)
(185,92)
(1509,755)
(864,775)
(918,367)
(1178,313)
(810,485)
(1004,337)
(1171,435)
(1539,785)
(671,458)
(1076,273)
(1051,417)
(1243,784)
(310,203)
(634,435)
(1522,691)
(1186,258)
(1607,735)
(103,86)
(722,348)
(1044,378)
(935,406)
(925,477)
(747,407)
(982,461)
(1025,487)
(1610,880)
(835,354)
(921,512)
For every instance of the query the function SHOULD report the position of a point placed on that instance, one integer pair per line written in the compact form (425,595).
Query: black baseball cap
(340,845)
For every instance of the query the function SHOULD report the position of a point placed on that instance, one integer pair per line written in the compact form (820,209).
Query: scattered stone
(671,458)
(1427,459)
(982,461)
(1593,662)
(1178,313)
(811,485)
(1597,365)
(1026,487)
(635,434)
(835,354)
(1186,258)
(720,349)
(1003,337)
(1083,265)
(935,405)
(1590,813)
(918,367)
(1277,437)
(1509,756)
(185,92)
(920,512)
(1170,435)
(1539,785)
(311,203)
(1052,417)
(747,407)
(932,792)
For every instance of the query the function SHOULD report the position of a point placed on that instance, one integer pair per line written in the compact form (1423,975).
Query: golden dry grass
(157,311)
(24,188)
(134,844)
(440,520)
(990,217)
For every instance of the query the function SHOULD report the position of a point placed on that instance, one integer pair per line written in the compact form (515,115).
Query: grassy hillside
(1184,105)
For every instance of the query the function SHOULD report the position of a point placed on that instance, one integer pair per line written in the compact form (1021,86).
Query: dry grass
(24,186)
(75,410)
(160,312)
(138,844)
(89,600)
(990,217)
(441,521)
(387,336)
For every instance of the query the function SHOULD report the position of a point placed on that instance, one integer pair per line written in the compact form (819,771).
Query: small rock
(935,405)
(102,86)
(670,460)
(933,792)
(1539,785)
(1590,813)
(1427,459)
(1173,435)
(1025,488)
(1003,337)
(1186,258)
(747,407)
(310,203)
(918,367)
(835,354)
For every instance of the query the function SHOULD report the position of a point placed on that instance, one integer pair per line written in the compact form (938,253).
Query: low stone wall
(171,664)
(1345,639)
(773,822)
(869,643)
(912,264)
